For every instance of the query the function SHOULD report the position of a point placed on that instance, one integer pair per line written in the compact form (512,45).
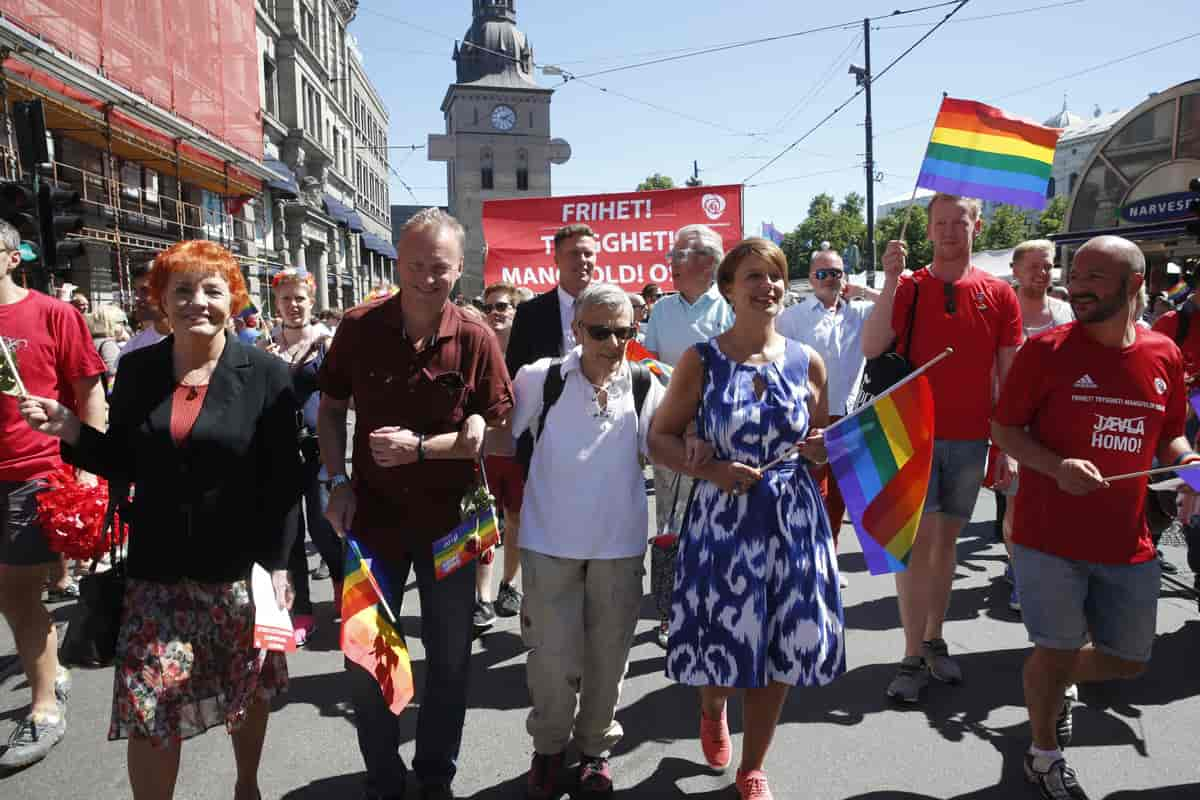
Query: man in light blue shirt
(696,313)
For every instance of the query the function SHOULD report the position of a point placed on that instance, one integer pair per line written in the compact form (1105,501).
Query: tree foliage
(920,249)
(656,181)
(1008,227)
(1054,218)
(839,225)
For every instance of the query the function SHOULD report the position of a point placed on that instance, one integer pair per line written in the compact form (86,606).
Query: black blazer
(536,332)
(229,495)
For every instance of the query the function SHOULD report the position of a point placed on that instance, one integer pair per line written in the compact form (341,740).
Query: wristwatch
(338,480)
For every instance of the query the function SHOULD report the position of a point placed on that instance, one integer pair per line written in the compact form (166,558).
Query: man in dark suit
(542,328)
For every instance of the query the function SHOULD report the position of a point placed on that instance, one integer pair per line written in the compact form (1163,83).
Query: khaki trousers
(578,618)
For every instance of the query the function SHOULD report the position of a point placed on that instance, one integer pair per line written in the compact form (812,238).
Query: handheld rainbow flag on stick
(636,351)
(980,151)
(371,636)
(1179,292)
(881,457)
(463,545)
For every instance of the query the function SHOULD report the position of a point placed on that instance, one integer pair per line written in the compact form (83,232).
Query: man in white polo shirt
(583,538)
(695,313)
(832,325)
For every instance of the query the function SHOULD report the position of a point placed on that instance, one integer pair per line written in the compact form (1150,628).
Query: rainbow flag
(1179,292)
(980,151)
(881,456)
(371,636)
(636,351)
(454,549)
(769,231)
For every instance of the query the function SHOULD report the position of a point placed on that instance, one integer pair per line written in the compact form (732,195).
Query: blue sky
(756,100)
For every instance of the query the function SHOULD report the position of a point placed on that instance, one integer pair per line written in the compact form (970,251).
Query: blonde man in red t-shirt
(1100,396)
(961,306)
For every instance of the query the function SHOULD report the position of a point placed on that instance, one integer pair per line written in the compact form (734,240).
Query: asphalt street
(1133,741)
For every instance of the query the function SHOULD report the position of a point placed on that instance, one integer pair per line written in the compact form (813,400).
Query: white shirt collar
(566,303)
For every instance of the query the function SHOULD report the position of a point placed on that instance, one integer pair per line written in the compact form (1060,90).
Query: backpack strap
(641,385)
(551,390)
(912,318)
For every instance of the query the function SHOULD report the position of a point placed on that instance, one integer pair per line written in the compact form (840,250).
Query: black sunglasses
(822,274)
(950,307)
(601,332)
(501,306)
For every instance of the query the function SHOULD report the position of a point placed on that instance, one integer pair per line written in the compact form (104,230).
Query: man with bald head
(830,323)
(1098,396)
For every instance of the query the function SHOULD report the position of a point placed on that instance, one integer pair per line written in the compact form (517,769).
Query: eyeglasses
(601,332)
(501,306)
(950,307)
(822,274)
(685,253)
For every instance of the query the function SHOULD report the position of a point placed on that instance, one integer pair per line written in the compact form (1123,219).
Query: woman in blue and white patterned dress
(756,605)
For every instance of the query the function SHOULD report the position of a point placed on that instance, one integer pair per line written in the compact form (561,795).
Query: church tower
(497,142)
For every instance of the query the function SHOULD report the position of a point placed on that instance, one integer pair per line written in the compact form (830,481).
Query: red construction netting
(196,58)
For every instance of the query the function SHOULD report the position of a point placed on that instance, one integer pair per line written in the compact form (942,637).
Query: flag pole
(12,366)
(371,579)
(1152,472)
(794,449)
(917,185)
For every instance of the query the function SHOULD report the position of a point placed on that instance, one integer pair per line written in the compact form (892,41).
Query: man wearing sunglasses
(978,315)
(543,326)
(695,313)
(583,538)
(831,325)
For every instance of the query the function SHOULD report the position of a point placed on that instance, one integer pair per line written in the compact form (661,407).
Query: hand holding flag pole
(794,449)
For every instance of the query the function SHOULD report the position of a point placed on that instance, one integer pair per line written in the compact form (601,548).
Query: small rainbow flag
(980,151)
(1179,292)
(456,549)
(769,231)
(881,456)
(636,351)
(371,636)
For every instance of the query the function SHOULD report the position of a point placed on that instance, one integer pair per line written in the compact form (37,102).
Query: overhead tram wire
(1012,13)
(805,177)
(961,5)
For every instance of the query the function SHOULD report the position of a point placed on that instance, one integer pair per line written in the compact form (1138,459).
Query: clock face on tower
(503,118)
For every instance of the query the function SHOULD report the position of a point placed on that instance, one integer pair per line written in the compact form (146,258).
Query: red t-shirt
(53,349)
(986,317)
(1168,325)
(1110,406)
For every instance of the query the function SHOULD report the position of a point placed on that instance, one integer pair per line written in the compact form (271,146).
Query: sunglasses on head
(950,307)
(501,306)
(601,332)
(822,274)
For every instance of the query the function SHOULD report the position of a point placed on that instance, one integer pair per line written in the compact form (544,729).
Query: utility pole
(695,179)
(870,250)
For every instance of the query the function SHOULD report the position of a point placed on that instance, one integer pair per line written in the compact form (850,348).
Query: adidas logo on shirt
(1085,382)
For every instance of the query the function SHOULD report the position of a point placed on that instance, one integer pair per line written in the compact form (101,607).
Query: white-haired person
(695,313)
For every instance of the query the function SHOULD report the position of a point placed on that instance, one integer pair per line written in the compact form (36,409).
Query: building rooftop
(494,52)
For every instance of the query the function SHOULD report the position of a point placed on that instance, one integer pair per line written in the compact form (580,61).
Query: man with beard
(952,303)
(1099,396)
(155,326)
(542,327)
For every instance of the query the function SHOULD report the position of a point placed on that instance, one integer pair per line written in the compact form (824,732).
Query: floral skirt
(186,661)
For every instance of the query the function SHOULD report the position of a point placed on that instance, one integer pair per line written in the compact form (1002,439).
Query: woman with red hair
(205,428)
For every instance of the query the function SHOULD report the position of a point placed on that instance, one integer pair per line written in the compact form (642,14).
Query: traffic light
(1193,227)
(18,207)
(59,214)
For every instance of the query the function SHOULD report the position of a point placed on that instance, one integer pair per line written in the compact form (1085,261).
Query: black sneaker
(508,601)
(485,615)
(31,741)
(543,782)
(1056,783)
(911,679)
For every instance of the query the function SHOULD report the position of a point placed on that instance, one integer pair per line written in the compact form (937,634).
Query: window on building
(522,170)
(308,26)
(1050,188)
(486,177)
(270,90)
(1071,181)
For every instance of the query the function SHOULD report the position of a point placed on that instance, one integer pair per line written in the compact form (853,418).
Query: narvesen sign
(1162,208)
(634,231)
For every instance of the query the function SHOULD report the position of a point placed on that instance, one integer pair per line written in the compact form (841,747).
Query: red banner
(634,231)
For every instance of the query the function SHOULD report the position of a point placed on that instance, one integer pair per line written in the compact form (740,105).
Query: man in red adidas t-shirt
(1097,397)
(56,358)
(961,306)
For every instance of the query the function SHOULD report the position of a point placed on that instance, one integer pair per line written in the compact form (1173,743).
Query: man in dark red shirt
(958,305)
(425,379)
(1099,396)
(56,359)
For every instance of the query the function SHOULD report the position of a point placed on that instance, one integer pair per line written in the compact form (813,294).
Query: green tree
(920,249)
(839,225)
(1008,227)
(656,181)
(1054,218)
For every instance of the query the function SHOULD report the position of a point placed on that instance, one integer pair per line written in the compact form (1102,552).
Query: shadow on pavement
(664,782)
(338,786)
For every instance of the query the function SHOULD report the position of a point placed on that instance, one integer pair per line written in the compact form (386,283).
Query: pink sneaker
(303,626)
(752,785)
(714,740)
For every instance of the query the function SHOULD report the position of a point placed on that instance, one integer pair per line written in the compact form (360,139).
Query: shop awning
(1158,230)
(343,213)
(354,222)
(379,245)
(286,182)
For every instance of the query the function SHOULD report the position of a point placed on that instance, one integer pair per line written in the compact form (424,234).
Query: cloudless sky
(756,100)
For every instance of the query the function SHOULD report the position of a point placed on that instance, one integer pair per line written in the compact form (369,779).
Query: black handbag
(91,636)
(886,370)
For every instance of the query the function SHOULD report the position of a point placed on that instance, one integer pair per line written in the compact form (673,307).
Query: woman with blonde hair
(205,428)
(106,324)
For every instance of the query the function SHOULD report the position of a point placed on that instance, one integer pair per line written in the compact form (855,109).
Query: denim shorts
(956,476)
(1064,603)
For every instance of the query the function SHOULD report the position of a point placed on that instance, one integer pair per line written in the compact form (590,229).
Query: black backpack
(552,390)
